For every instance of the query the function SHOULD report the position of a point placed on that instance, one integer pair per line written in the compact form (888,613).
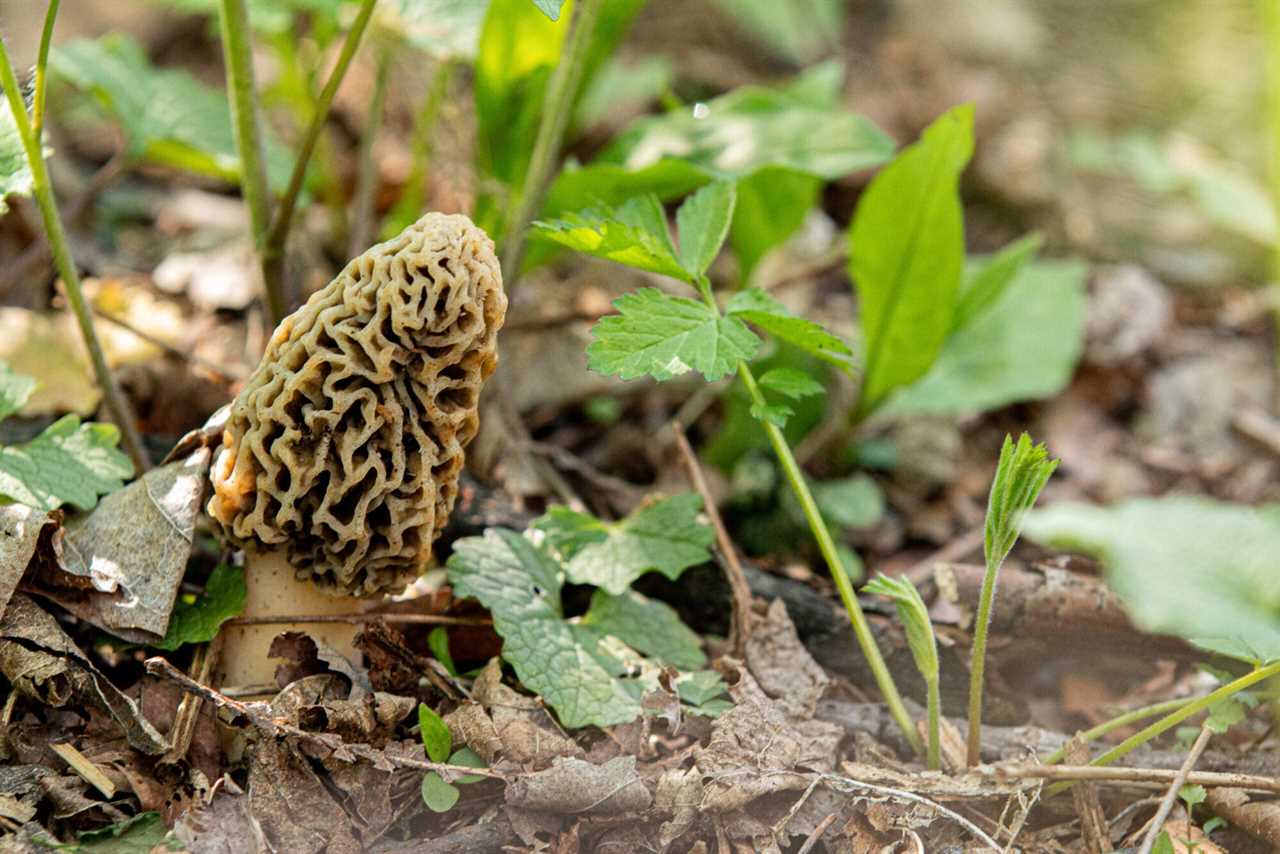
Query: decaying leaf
(503,724)
(20,528)
(782,666)
(575,787)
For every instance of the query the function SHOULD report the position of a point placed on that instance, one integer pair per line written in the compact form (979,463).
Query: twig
(845,783)
(423,619)
(816,836)
(739,589)
(259,716)
(1120,775)
(273,237)
(363,222)
(184,720)
(1171,796)
(82,765)
(42,188)
(169,348)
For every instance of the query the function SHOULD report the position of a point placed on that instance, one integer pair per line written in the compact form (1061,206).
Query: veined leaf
(703,223)
(634,234)
(197,622)
(15,172)
(907,256)
(69,463)
(757,307)
(985,282)
(663,336)
(1023,470)
(646,625)
(792,383)
(15,390)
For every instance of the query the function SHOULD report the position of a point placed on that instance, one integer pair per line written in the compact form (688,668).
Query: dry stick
(816,836)
(739,589)
(272,242)
(42,187)
(1171,796)
(184,720)
(846,783)
(416,619)
(1120,775)
(259,716)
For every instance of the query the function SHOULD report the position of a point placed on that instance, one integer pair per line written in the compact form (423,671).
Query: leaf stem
(42,68)
(827,546)
(42,188)
(1169,721)
(934,754)
(978,661)
(238,58)
(1121,720)
(272,246)
(562,89)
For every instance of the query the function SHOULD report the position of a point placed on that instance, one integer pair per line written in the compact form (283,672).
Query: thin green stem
(272,247)
(934,756)
(42,188)
(562,90)
(1170,721)
(978,661)
(1270,13)
(827,546)
(409,207)
(1119,721)
(363,224)
(238,58)
(42,69)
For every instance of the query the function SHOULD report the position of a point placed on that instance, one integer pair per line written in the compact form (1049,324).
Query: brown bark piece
(1093,821)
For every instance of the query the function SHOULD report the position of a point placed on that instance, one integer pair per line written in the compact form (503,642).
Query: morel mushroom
(340,458)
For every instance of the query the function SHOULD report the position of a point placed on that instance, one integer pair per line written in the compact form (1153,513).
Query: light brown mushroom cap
(345,446)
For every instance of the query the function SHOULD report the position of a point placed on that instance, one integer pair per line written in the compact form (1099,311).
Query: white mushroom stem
(273,590)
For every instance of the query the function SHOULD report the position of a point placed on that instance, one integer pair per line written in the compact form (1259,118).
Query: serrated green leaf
(550,8)
(438,795)
(634,234)
(1023,470)
(1192,567)
(907,256)
(198,622)
(436,738)
(986,279)
(646,625)
(168,117)
(757,307)
(663,336)
(69,463)
(15,171)
(777,414)
(703,223)
(520,585)
(15,390)
(913,613)
(792,383)
(1023,347)
(665,537)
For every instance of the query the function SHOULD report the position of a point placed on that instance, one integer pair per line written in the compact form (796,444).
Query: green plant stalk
(42,68)
(414,197)
(1124,719)
(237,56)
(42,189)
(827,546)
(363,221)
(934,754)
(978,661)
(1170,721)
(562,89)
(1270,13)
(272,246)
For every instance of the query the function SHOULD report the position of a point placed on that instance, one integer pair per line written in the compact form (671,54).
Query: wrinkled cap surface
(345,446)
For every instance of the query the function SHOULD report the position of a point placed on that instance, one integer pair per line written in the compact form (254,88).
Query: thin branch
(42,188)
(188,713)
(738,586)
(176,352)
(846,783)
(416,619)
(1171,796)
(1120,775)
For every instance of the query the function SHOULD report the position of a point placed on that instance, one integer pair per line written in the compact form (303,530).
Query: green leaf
(15,390)
(703,223)
(907,256)
(520,585)
(69,463)
(438,795)
(634,234)
(444,29)
(982,288)
(665,536)
(1192,567)
(168,117)
(663,336)
(772,205)
(141,834)
(704,692)
(1023,470)
(850,502)
(1192,795)
(436,738)
(646,625)
(468,758)
(757,307)
(792,383)
(1024,347)
(777,414)
(550,8)
(622,86)
(15,171)
(914,615)
(1164,844)
(198,622)
(438,641)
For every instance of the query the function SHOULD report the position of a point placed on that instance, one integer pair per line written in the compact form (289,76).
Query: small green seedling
(914,615)
(438,794)
(1023,470)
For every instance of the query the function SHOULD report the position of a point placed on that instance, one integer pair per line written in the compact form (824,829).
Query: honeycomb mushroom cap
(345,446)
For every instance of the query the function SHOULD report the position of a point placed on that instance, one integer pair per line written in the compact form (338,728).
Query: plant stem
(414,197)
(363,224)
(978,661)
(272,247)
(42,189)
(1169,721)
(1270,13)
(934,756)
(562,90)
(827,546)
(1119,721)
(42,67)
(238,58)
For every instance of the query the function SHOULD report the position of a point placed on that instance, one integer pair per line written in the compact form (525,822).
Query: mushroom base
(274,591)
